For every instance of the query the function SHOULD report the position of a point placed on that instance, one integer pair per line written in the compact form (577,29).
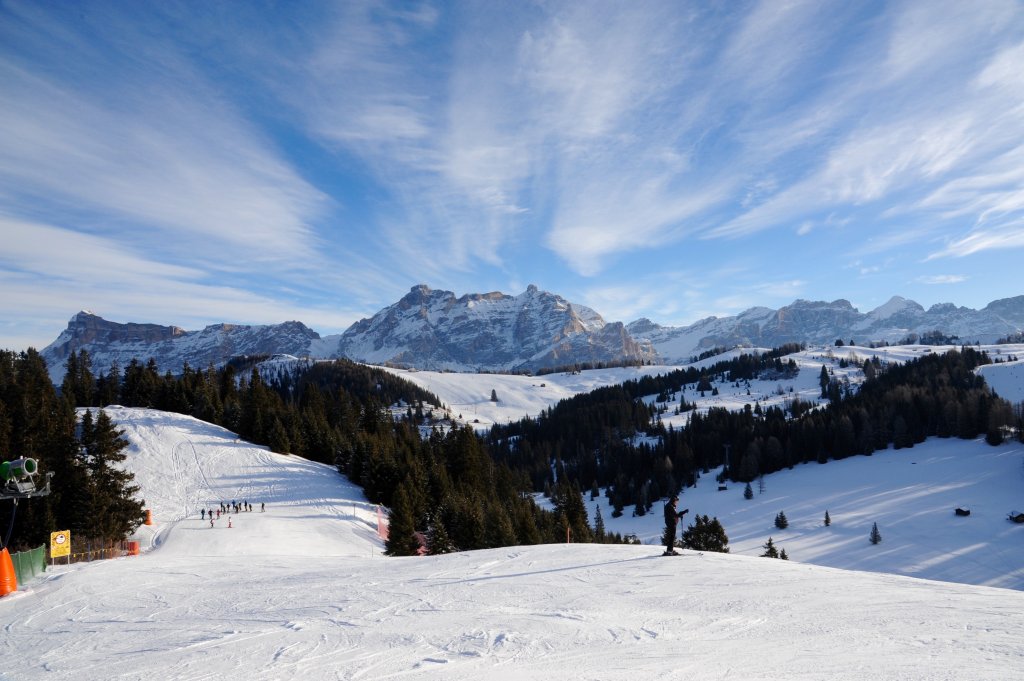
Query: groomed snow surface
(303,591)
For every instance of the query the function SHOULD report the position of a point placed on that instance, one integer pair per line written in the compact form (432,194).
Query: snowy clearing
(303,591)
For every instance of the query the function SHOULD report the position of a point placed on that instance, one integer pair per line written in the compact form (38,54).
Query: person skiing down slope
(671,520)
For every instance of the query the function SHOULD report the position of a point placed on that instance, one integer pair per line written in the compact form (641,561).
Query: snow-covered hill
(303,591)
(468,396)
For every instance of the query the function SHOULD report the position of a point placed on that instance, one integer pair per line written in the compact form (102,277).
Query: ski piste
(680,553)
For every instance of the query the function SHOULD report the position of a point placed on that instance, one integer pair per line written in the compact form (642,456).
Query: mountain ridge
(537,329)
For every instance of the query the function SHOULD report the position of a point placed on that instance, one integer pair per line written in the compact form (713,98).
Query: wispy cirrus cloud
(938,279)
(160,162)
(106,274)
(1001,237)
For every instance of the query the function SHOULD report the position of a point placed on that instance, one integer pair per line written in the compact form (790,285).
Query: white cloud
(942,279)
(169,167)
(51,272)
(983,239)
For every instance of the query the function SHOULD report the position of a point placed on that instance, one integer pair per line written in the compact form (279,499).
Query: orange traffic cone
(149,517)
(8,580)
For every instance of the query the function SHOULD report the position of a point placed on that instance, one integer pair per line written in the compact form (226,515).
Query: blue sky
(194,163)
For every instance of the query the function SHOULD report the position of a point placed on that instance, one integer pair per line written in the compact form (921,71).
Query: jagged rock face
(430,329)
(1008,310)
(172,347)
(491,331)
(817,322)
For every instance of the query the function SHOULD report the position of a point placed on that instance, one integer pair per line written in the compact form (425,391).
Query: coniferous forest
(449,488)
(443,484)
(593,440)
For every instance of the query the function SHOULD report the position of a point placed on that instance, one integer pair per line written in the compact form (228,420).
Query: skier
(229,523)
(671,520)
(263,506)
(202,514)
(211,521)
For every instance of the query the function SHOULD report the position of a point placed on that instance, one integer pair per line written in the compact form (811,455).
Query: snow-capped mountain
(816,322)
(111,343)
(430,329)
(425,329)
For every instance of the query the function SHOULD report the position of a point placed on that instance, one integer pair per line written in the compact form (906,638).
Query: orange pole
(8,580)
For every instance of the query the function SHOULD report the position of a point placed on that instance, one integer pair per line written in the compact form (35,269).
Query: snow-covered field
(302,591)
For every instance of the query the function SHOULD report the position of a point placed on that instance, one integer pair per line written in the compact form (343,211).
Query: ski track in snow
(302,591)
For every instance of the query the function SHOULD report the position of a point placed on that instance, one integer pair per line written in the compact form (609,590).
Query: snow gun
(17,479)
(19,468)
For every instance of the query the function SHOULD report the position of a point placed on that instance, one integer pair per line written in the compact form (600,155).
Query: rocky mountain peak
(432,329)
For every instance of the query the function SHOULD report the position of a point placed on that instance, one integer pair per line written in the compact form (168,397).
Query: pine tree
(828,520)
(769,549)
(782,555)
(494,395)
(114,513)
(599,532)
(706,535)
(438,541)
(748,492)
(781,521)
(876,536)
(279,441)
(401,526)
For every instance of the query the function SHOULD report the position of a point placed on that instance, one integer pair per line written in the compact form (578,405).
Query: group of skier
(225,508)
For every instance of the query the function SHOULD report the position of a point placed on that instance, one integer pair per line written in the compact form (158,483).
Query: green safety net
(29,564)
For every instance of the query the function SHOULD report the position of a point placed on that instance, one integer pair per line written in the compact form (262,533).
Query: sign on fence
(60,544)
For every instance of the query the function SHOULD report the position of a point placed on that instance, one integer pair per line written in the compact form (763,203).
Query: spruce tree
(875,536)
(438,541)
(706,535)
(782,555)
(828,520)
(114,513)
(781,521)
(769,549)
(401,526)
(748,492)
(598,525)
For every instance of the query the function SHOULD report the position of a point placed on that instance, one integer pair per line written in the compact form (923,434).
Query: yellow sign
(60,544)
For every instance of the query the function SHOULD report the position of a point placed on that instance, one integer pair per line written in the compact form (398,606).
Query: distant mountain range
(430,329)
(816,322)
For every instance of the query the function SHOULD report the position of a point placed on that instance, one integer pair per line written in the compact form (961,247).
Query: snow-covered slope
(183,465)
(468,396)
(302,591)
